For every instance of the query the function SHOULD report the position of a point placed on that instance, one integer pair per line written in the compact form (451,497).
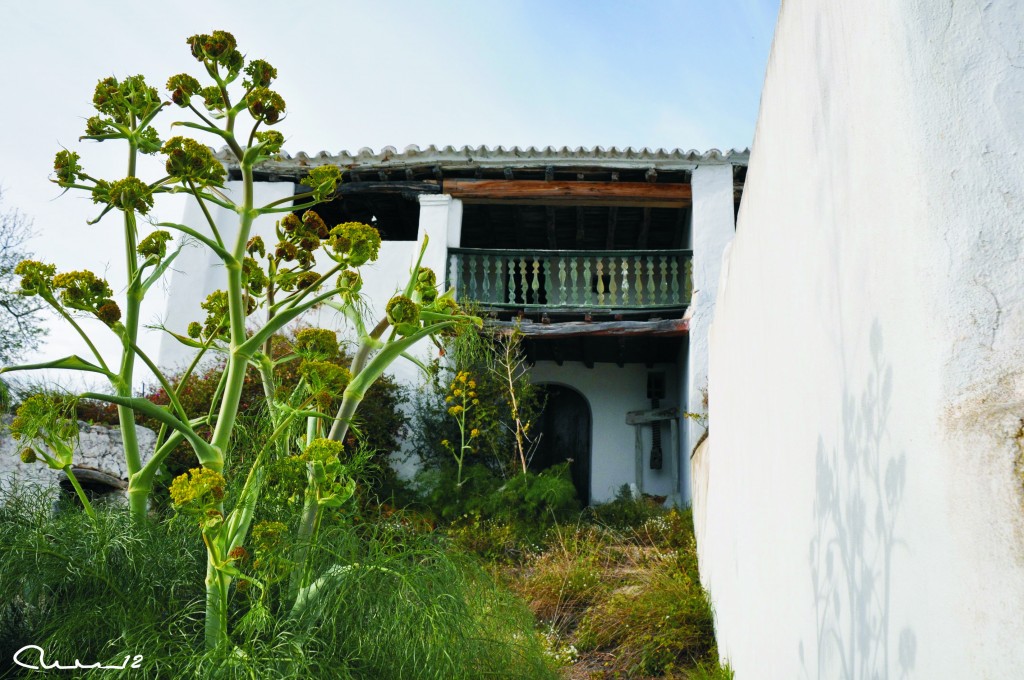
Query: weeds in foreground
(401,607)
(623,601)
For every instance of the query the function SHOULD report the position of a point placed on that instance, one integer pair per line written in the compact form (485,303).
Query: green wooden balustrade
(571,280)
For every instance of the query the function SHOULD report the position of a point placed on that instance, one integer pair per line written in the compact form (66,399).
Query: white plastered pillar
(713,227)
(198,271)
(441,223)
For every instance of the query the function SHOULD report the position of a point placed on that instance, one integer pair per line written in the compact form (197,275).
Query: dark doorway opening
(565,435)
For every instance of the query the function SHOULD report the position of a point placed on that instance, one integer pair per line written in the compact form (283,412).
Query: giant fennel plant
(311,264)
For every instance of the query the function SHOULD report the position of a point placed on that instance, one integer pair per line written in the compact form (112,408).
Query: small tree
(19,315)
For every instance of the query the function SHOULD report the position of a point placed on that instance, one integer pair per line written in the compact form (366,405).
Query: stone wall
(99,446)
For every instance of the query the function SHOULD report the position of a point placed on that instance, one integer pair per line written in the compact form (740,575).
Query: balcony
(601,281)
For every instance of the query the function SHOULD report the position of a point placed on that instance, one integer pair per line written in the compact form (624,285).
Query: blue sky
(685,73)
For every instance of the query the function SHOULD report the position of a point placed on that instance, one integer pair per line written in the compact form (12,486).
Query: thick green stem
(138,499)
(238,361)
(217,583)
(306,533)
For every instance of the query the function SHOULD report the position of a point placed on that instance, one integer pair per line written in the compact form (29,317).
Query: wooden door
(565,430)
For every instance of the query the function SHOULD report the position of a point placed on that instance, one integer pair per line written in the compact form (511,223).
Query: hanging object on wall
(656,392)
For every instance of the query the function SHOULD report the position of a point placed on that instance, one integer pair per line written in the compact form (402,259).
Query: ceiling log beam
(663,328)
(579,193)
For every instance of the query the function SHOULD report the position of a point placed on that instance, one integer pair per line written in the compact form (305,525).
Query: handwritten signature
(134,662)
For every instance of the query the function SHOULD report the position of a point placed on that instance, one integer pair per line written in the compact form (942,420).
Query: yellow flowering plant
(462,401)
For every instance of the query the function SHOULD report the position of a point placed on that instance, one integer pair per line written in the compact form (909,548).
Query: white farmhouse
(607,259)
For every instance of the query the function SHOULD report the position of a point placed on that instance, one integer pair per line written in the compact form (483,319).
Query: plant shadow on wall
(859,491)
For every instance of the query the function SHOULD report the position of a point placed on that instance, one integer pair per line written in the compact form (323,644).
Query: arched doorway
(565,435)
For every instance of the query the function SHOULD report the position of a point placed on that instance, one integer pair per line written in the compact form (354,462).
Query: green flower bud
(213,98)
(188,160)
(306,280)
(232,62)
(350,280)
(130,194)
(402,310)
(315,224)
(260,74)
(195,330)
(267,535)
(148,140)
(65,164)
(255,245)
(286,251)
(360,242)
(96,126)
(155,244)
(291,222)
(82,290)
(105,94)
(182,86)
(213,47)
(316,343)
(46,417)
(446,305)
(28,456)
(326,381)
(426,278)
(253,275)
(108,312)
(265,105)
(272,141)
(35,276)
(216,306)
(123,101)
(323,180)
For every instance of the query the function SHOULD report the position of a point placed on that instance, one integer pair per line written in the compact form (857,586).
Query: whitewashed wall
(864,514)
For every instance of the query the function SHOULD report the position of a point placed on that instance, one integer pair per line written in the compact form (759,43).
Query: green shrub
(625,511)
(531,501)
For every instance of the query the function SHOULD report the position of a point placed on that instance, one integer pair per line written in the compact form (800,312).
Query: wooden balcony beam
(665,328)
(625,194)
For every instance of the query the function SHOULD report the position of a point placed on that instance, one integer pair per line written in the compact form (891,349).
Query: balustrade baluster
(485,295)
(586,281)
(638,269)
(535,282)
(524,280)
(547,284)
(471,267)
(651,292)
(625,265)
(664,280)
(510,265)
(600,280)
(675,280)
(688,291)
(574,264)
(562,299)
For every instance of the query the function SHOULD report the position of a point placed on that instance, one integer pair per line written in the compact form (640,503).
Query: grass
(626,601)
(405,607)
